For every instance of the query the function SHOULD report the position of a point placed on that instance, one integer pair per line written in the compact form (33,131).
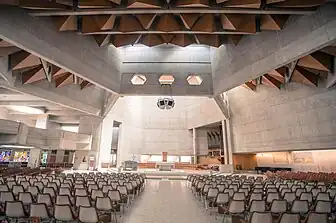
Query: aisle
(167,202)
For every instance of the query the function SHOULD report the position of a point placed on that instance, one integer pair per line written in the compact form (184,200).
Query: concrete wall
(145,129)
(297,117)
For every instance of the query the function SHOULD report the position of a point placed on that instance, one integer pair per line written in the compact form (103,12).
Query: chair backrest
(221,188)
(314,217)
(44,198)
(63,213)
(79,186)
(322,196)
(49,190)
(17,189)
(103,204)
(87,214)
(289,197)
(25,184)
(63,200)
(39,210)
(11,183)
(45,181)
(106,188)
(315,191)
(33,190)
(114,195)
(272,196)
(122,189)
(230,191)
(257,205)
(6,196)
(255,196)
(96,193)
(289,218)
(332,192)
(26,198)
(82,201)
(272,190)
(39,184)
(285,190)
(239,196)
(307,196)
(212,192)
(222,198)
(14,209)
(257,217)
(53,185)
(299,191)
(236,207)
(323,206)
(80,192)
(300,207)
(279,206)
(92,187)
(4,187)
(64,191)
(244,190)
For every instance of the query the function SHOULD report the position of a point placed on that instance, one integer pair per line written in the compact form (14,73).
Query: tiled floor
(166,201)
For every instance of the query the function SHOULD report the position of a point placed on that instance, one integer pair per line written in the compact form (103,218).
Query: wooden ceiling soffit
(5,51)
(273,22)
(102,40)
(279,74)
(65,2)
(143,4)
(192,3)
(95,4)
(331,50)
(129,23)
(56,71)
(116,1)
(146,20)
(3,43)
(65,23)
(205,24)
(209,39)
(234,39)
(304,76)
(85,84)
(33,75)
(268,79)
(167,37)
(63,80)
(123,40)
(151,40)
(221,1)
(97,23)
(38,4)
(250,85)
(299,3)
(189,19)
(274,1)
(317,60)
(167,23)
(243,3)
(243,23)
(183,40)
(23,59)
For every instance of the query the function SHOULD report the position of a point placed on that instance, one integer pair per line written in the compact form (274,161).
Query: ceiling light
(27,110)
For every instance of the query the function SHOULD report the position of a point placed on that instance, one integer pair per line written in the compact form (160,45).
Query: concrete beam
(222,103)
(331,80)
(52,95)
(109,103)
(4,72)
(77,54)
(180,87)
(24,103)
(256,55)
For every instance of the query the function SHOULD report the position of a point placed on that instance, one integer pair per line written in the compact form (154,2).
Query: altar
(164,166)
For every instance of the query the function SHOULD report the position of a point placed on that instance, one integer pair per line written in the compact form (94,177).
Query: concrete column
(105,141)
(229,141)
(42,121)
(225,144)
(60,156)
(194,145)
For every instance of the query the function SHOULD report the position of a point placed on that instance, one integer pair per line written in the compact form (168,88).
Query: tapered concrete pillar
(194,145)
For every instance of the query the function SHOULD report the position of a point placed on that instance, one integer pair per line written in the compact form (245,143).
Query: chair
(289,197)
(239,196)
(299,191)
(278,207)
(15,209)
(257,217)
(4,187)
(87,215)
(6,196)
(79,186)
(314,217)
(17,189)
(106,188)
(289,218)
(307,196)
(257,205)
(322,196)
(82,201)
(63,200)
(53,185)
(44,198)
(236,208)
(300,207)
(45,181)
(39,210)
(26,198)
(63,213)
(221,188)
(244,190)
(49,190)
(96,193)
(315,191)
(25,184)
(39,184)
(271,190)
(230,191)
(10,184)
(80,192)
(255,196)
(92,187)
(323,207)
(33,190)
(272,196)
